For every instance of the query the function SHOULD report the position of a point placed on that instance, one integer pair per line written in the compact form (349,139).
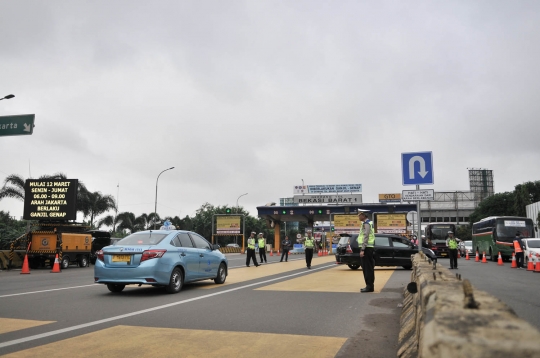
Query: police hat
(450,232)
(260,233)
(254,233)
(362,211)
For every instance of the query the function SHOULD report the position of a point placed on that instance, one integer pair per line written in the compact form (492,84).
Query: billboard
(391,223)
(228,224)
(329,199)
(346,223)
(50,199)
(327,188)
(390,198)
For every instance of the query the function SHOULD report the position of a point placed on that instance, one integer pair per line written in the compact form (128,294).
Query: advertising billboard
(51,199)
(228,224)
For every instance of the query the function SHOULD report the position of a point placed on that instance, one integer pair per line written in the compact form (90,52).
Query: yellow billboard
(390,198)
(346,223)
(391,223)
(228,224)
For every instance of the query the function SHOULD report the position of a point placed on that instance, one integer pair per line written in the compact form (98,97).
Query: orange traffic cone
(537,268)
(514,263)
(319,253)
(277,252)
(458,254)
(530,263)
(271,254)
(484,261)
(56,266)
(500,261)
(477,258)
(25,267)
(467,256)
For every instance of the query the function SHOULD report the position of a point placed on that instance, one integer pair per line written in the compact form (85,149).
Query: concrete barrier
(18,257)
(447,317)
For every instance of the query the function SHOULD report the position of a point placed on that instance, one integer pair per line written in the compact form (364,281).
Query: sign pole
(419,236)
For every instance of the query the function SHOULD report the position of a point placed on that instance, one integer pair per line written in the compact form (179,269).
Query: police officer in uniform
(452,244)
(251,250)
(309,243)
(366,242)
(262,248)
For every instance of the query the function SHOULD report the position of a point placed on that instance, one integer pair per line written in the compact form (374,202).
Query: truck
(71,241)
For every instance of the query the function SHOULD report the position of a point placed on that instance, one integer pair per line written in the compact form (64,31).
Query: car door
(383,251)
(403,249)
(208,259)
(188,254)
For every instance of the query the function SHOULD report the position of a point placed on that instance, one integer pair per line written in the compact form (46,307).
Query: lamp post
(155,207)
(7,97)
(237,200)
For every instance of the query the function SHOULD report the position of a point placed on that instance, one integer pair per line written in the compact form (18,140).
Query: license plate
(443,253)
(121,258)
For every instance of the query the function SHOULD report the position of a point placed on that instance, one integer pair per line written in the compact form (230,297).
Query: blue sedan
(167,258)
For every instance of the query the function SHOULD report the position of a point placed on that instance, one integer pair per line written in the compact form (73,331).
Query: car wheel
(176,281)
(114,287)
(83,261)
(353,267)
(221,274)
(65,262)
(407,267)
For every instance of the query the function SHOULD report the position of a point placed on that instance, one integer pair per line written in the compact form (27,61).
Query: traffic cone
(537,268)
(484,261)
(467,256)
(530,263)
(25,267)
(477,258)
(319,253)
(271,254)
(56,266)
(458,254)
(500,261)
(514,263)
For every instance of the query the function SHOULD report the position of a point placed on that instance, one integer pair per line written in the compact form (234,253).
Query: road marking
(52,289)
(338,279)
(115,318)
(12,324)
(120,341)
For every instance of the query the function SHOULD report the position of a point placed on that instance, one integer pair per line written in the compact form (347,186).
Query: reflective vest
(452,244)
(261,243)
(251,243)
(517,247)
(310,242)
(371,239)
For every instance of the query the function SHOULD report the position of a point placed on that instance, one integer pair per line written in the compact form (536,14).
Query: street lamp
(237,200)
(155,207)
(8,96)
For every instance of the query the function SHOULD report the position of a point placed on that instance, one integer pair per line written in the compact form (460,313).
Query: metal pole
(419,235)
(155,206)
(237,200)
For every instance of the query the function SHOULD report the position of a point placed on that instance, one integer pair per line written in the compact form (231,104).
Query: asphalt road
(277,309)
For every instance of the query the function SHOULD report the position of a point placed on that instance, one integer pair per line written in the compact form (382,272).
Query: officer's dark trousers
(285,254)
(452,253)
(309,257)
(368,268)
(262,254)
(519,259)
(251,255)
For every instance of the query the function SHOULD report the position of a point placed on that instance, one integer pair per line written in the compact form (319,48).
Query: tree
(92,204)
(500,204)
(526,194)
(10,229)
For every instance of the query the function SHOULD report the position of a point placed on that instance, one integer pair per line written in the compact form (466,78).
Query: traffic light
(284,212)
(320,211)
(228,211)
(332,228)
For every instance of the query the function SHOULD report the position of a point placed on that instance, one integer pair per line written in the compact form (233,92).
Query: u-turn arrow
(422,162)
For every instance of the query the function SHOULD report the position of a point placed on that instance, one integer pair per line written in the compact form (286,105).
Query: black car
(100,239)
(390,250)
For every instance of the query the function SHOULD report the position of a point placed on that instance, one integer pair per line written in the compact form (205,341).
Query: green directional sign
(17,125)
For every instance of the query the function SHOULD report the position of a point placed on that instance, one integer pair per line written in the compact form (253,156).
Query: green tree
(10,229)
(526,194)
(93,204)
(464,232)
(496,205)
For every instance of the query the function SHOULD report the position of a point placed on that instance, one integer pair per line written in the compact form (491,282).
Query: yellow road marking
(251,273)
(338,279)
(122,341)
(11,324)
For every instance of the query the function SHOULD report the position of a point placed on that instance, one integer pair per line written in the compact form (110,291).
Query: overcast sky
(254,96)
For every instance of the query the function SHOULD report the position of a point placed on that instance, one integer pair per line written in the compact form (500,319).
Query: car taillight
(152,254)
(349,250)
(99,255)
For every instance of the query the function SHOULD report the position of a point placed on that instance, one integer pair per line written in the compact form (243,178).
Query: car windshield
(344,240)
(146,238)
(506,229)
(534,244)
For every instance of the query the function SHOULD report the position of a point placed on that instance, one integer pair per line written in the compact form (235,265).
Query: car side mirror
(215,247)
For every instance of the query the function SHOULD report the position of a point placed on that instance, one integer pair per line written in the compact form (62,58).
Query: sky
(259,96)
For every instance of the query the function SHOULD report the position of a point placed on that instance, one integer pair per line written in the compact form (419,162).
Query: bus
(436,235)
(496,234)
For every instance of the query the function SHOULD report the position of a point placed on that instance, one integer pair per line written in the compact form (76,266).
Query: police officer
(262,248)
(285,245)
(309,243)
(366,242)
(251,250)
(518,248)
(452,244)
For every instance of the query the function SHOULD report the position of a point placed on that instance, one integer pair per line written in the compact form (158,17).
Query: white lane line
(52,289)
(115,318)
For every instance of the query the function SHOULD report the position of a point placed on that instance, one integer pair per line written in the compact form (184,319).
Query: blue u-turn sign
(417,168)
